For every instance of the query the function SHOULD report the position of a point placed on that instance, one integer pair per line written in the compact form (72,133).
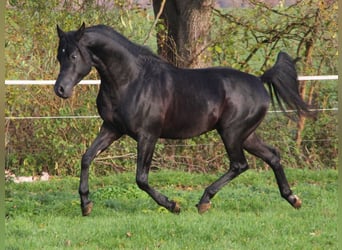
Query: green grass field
(247,214)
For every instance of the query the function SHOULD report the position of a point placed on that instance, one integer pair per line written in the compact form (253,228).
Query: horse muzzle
(63,91)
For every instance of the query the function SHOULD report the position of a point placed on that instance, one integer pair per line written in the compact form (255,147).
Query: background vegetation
(247,214)
(247,39)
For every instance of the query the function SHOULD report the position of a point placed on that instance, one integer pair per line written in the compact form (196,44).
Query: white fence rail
(96,82)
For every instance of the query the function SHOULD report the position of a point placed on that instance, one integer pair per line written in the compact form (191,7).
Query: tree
(182,31)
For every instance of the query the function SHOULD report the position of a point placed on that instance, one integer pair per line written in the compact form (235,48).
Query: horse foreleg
(105,137)
(257,147)
(146,145)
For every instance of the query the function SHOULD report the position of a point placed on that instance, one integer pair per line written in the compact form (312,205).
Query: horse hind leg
(238,165)
(271,156)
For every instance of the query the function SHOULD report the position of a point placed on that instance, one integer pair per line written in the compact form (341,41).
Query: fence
(97,82)
(177,153)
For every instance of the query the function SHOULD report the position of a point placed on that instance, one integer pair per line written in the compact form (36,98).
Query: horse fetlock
(203,207)
(86,209)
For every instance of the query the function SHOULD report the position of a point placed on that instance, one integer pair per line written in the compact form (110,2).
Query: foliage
(247,214)
(292,28)
(56,145)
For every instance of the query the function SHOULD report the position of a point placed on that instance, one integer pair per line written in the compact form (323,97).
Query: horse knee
(274,160)
(239,167)
(142,182)
(85,161)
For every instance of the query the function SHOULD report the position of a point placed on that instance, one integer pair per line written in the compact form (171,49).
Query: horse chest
(108,110)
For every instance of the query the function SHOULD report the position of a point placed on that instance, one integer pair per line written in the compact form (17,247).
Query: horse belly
(182,133)
(183,126)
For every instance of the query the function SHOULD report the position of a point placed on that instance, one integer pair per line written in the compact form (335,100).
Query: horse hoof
(176,209)
(204,207)
(298,203)
(87,209)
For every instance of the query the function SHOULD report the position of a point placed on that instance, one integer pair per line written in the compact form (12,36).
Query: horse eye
(73,57)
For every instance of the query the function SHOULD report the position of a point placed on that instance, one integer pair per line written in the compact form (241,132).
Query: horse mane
(136,49)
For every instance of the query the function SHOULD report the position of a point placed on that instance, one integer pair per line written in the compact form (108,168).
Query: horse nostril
(61,90)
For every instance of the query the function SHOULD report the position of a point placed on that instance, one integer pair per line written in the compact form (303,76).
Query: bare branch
(155,21)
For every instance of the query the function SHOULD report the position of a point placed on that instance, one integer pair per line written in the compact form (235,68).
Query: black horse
(147,98)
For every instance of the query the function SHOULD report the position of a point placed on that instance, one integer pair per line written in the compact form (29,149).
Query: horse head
(74,59)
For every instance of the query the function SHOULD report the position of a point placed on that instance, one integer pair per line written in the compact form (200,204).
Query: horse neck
(114,63)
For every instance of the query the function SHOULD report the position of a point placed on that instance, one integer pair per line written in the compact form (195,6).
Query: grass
(247,214)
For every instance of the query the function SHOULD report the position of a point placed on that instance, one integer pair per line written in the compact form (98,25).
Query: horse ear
(60,32)
(80,32)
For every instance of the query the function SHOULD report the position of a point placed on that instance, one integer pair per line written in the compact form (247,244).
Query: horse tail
(282,81)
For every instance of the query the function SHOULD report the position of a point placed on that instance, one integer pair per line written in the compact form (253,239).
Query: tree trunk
(302,88)
(309,47)
(183,31)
